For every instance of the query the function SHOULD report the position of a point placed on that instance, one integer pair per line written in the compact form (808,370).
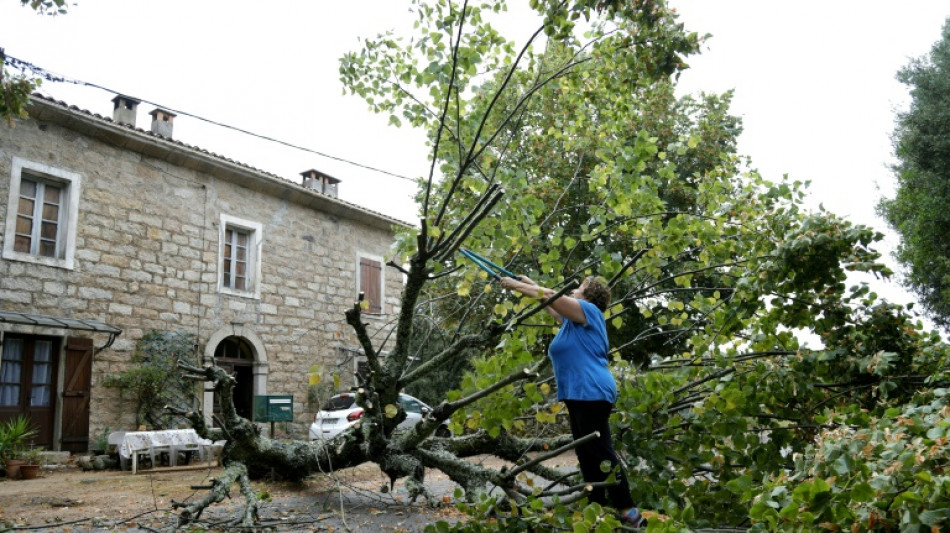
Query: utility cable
(49,76)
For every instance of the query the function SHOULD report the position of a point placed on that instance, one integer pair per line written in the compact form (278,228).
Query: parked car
(341,412)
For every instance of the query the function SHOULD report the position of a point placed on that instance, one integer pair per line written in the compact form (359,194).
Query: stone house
(109,231)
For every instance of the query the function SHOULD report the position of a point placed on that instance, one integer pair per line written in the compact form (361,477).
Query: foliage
(15,90)
(427,342)
(15,433)
(154,381)
(888,474)
(577,159)
(918,211)
(318,394)
(47,7)
(101,442)
(32,456)
(739,345)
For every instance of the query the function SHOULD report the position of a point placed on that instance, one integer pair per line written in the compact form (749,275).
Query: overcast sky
(814,83)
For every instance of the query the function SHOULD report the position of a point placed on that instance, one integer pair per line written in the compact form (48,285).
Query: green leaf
(739,485)
(862,492)
(934,517)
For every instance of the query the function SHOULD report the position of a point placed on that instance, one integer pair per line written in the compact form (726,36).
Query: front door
(27,382)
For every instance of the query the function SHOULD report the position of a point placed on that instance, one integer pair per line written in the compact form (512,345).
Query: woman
(584,383)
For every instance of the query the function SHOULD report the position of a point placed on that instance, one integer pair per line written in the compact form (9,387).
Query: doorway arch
(240,352)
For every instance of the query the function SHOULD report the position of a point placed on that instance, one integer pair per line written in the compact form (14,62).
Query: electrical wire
(55,78)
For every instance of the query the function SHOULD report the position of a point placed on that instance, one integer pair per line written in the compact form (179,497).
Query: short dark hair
(597,292)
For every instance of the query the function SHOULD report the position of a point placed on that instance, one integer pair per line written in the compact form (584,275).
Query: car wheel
(443,432)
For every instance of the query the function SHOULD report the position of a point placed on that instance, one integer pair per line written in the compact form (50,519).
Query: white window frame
(255,243)
(382,281)
(71,182)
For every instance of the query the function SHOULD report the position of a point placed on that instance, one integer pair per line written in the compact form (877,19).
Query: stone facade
(148,256)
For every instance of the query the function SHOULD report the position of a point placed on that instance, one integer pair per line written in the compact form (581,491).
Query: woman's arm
(564,307)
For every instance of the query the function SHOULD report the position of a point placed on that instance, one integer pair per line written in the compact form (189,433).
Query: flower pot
(29,471)
(13,468)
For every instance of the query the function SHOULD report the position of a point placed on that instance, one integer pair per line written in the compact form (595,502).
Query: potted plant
(100,446)
(14,434)
(32,458)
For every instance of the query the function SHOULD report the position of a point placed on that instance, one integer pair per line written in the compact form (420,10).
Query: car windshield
(339,403)
(411,405)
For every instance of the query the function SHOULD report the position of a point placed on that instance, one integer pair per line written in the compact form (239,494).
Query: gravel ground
(71,500)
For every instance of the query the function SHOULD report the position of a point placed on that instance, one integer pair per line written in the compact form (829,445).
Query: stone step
(55,458)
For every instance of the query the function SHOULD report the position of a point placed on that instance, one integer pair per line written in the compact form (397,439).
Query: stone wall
(147,255)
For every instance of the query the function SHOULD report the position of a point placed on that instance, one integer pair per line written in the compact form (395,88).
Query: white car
(341,412)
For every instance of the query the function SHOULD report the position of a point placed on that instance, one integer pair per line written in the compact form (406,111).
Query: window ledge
(241,294)
(38,260)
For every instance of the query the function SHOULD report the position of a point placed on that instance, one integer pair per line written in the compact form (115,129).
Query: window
(42,214)
(240,257)
(370,283)
(36,359)
(410,405)
(10,370)
(235,258)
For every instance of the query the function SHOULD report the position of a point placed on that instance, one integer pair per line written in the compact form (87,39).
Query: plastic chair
(115,439)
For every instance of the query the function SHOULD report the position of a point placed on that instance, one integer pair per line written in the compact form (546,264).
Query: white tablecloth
(168,440)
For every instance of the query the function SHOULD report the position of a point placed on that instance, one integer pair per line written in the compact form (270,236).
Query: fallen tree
(580,159)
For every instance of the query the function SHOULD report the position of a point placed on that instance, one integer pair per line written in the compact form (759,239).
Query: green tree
(15,89)
(562,157)
(14,92)
(154,381)
(919,209)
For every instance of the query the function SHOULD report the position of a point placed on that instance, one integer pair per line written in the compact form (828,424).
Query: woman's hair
(597,292)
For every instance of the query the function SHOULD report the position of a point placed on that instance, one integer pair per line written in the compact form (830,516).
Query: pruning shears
(491,268)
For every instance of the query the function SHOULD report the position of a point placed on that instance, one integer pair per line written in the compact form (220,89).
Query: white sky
(814,83)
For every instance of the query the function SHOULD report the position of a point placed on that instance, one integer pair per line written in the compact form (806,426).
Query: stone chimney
(124,110)
(162,122)
(314,179)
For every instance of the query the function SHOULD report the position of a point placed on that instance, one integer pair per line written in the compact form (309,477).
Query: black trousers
(587,417)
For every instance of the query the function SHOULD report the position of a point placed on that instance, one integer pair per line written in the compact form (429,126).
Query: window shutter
(371,284)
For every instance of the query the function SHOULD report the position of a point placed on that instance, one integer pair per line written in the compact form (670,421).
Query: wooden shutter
(371,284)
(76,394)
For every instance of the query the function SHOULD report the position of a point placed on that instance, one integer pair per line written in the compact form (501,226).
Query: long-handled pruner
(493,270)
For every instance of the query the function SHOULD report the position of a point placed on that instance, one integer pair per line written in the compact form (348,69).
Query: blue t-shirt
(579,355)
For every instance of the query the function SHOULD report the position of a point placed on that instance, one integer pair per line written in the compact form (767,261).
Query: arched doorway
(236,355)
(240,350)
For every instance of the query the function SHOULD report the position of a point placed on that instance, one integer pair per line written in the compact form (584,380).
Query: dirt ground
(70,500)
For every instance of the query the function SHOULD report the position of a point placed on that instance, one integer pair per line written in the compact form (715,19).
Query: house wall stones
(148,254)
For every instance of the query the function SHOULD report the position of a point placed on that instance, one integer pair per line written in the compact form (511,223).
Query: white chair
(193,448)
(154,453)
(115,439)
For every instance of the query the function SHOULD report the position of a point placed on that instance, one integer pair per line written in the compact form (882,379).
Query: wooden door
(76,394)
(28,382)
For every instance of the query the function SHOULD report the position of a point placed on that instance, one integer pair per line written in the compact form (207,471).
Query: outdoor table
(170,441)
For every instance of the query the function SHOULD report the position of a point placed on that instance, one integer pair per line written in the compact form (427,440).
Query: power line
(49,76)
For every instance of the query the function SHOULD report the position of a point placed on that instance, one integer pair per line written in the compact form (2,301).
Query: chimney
(314,179)
(124,110)
(162,122)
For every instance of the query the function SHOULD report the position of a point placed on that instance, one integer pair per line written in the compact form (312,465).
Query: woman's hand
(508,283)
